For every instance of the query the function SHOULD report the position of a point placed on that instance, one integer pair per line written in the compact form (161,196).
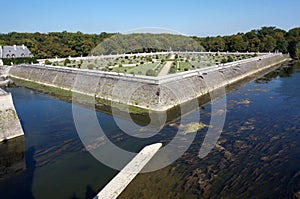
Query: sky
(188,17)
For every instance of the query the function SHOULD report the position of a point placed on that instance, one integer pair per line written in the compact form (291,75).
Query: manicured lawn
(184,66)
(139,70)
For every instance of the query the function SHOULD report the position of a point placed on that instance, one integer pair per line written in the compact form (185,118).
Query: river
(256,156)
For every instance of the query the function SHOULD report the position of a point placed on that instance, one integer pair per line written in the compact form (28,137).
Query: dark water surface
(257,155)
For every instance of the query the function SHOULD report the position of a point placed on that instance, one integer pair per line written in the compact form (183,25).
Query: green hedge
(20,60)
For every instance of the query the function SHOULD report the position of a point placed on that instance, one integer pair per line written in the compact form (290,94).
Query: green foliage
(230,59)
(47,62)
(55,44)
(91,66)
(224,60)
(263,40)
(294,49)
(150,72)
(66,62)
(21,60)
(146,42)
(172,70)
(149,59)
(65,44)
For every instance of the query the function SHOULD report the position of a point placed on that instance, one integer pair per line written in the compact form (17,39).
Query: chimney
(15,47)
(23,46)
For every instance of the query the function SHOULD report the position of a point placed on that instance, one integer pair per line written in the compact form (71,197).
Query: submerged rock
(189,128)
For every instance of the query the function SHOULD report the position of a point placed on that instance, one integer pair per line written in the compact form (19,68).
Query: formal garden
(151,65)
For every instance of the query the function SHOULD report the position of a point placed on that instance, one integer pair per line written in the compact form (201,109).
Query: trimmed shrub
(47,62)
(19,60)
(90,66)
(150,73)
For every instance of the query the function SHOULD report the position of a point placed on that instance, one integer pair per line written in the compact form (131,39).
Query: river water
(256,156)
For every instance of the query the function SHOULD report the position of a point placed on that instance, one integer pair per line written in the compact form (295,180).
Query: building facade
(14,51)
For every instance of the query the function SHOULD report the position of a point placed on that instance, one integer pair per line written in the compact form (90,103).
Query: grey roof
(15,51)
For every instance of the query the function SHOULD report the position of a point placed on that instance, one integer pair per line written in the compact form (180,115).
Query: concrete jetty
(114,188)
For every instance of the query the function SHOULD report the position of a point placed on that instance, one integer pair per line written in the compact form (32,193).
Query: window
(13,56)
(7,56)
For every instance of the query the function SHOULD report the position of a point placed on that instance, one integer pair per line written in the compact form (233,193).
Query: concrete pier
(114,188)
(10,126)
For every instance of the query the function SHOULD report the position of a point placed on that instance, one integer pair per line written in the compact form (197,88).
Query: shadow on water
(30,166)
(89,193)
(17,170)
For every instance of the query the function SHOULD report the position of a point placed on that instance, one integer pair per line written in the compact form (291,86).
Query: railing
(2,92)
(148,54)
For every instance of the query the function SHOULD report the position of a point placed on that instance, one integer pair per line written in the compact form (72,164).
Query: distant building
(14,51)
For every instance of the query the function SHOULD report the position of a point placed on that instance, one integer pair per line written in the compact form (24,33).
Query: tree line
(266,39)
(55,44)
(64,44)
(146,42)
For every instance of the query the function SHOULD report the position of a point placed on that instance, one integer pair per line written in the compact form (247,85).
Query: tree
(254,44)
(237,43)
(293,37)
(294,49)
(268,43)
(216,44)
(281,42)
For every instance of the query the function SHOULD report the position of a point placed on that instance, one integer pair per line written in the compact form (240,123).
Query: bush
(224,60)
(172,71)
(47,62)
(20,60)
(149,59)
(90,66)
(67,61)
(150,73)
(230,59)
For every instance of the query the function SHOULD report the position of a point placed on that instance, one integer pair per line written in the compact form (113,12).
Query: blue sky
(190,17)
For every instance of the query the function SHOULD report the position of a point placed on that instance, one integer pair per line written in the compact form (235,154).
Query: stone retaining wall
(10,126)
(154,93)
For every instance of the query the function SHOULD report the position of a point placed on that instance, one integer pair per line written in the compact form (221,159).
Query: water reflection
(12,157)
